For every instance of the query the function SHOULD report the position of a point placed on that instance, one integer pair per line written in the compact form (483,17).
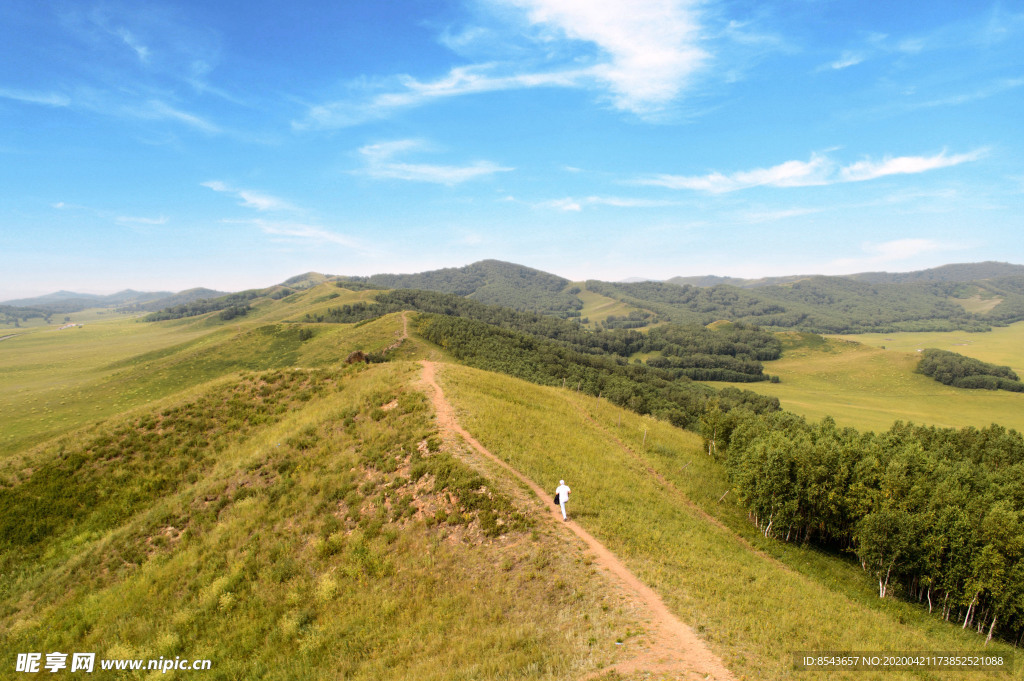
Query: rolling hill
(240,494)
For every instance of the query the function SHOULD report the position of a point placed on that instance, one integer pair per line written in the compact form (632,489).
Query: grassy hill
(232,490)
(488,281)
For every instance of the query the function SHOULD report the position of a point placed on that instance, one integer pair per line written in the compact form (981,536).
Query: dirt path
(675,649)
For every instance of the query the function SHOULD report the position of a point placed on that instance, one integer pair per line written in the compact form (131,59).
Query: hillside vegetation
(950,368)
(293,524)
(831,304)
(254,500)
(650,493)
(488,281)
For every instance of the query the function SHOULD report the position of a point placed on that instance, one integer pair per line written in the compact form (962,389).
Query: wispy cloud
(905,165)
(642,55)
(759,216)
(411,92)
(44,98)
(819,170)
(132,220)
(249,198)
(845,61)
(299,231)
(381,164)
(573,204)
(134,43)
(876,254)
(163,111)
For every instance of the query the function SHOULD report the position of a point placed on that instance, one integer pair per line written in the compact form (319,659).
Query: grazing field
(1003,345)
(869,388)
(597,308)
(54,380)
(652,496)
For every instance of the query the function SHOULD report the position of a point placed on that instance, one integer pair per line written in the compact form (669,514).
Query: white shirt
(563,493)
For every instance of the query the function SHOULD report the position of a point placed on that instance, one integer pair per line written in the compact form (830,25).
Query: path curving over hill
(675,649)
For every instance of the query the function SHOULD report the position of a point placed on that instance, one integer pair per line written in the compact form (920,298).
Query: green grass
(598,308)
(1003,345)
(53,381)
(754,610)
(317,529)
(862,385)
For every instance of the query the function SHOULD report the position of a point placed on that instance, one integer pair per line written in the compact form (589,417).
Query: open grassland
(52,381)
(294,524)
(869,388)
(1003,345)
(597,307)
(650,494)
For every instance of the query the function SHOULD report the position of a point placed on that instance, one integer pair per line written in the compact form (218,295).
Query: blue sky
(166,145)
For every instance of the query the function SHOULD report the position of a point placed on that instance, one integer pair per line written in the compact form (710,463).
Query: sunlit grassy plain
(862,385)
(54,380)
(754,610)
(597,307)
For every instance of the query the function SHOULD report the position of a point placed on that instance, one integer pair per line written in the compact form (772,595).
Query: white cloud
(789,174)
(901,249)
(130,220)
(819,170)
(249,198)
(571,204)
(141,51)
(300,231)
(651,46)
(847,60)
(410,93)
(44,98)
(160,110)
(380,164)
(904,165)
(877,254)
(643,54)
(755,217)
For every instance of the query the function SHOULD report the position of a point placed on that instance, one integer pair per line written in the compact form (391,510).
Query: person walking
(562,496)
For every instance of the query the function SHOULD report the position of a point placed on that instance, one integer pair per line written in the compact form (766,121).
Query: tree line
(829,304)
(951,368)
(934,514)
(230,306)
(731,353)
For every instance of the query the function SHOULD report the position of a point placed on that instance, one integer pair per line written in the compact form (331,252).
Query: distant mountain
(840,304)
(711,280)
(65,302)
(964,272)
(488,281)
(961,273)
(66,299)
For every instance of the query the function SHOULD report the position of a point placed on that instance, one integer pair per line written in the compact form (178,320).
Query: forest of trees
(231,306)
(934,514)
(829,304)
(732,353)
(951,368)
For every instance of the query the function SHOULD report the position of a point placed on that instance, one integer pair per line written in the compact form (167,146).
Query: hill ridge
(676,646)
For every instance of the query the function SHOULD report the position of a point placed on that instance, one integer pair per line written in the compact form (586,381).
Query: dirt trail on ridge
(674,648)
